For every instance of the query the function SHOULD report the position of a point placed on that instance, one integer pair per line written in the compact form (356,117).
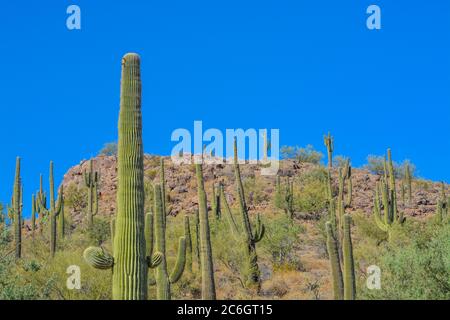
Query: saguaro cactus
(16,211)
(344,283)
(163,280)
(162,178)
(250,237)
(33,215)
(349,265)
(91,180)
(206,261)
(187,234)
(216,201)
(54,211)
(408,178)
(62,222)
(130,262)
(329,143)
(333,253)
(388,203)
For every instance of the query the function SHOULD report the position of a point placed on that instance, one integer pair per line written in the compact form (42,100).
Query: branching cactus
(91,181)
(163,279)
(206,259)
(344,282)
(41,203)
(250,237)
(54,211)
(131,260)
(329,143)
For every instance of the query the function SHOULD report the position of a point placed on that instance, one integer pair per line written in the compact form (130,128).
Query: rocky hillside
(181,186)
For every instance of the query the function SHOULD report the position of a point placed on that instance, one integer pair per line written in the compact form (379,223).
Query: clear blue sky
(304,67)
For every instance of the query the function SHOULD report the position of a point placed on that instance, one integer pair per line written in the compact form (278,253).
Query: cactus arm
(149,234)
(181,261)
(98,258)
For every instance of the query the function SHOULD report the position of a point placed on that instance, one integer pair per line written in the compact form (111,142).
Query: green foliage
(109,149)
(310,191)
(416,268)
(282,237)
(75,197)
(302,154)
(375,164)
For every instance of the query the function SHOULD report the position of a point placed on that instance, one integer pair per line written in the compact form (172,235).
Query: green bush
(306,155)
(282,236)
(417,270)
(375,164)
(309,191)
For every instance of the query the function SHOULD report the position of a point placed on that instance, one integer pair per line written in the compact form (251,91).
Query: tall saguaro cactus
(187,234)
(33,215)
(91,180)
(329,143)
(130,262)
(16,211)
(206,261)
(250,237)
(54,211)
(163,279)
(344,282)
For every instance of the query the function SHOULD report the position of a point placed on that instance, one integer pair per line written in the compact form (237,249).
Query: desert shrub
(109,149)
(419,270)
(254,190)
(75,197)
(282,236)
(309,191)
(375,164)
(339,161)
(100,231)
(307,154)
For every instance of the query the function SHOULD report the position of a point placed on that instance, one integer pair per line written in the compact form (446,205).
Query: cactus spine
(54,210)
(91,180)
(250,237)
(163,280)
(329,143)
(16,211)
(206,261)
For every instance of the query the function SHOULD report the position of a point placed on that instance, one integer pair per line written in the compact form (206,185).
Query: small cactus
(329,143)
(91,181)
(163,279)
(54,211)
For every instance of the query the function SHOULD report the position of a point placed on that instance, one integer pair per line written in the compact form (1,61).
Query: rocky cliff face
(181,185)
